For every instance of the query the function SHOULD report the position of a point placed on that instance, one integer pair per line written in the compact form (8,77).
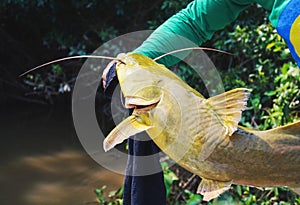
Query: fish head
(140,81)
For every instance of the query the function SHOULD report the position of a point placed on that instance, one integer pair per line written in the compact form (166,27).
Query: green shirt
(198,21)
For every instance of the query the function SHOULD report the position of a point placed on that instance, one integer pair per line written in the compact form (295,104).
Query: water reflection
(42,162)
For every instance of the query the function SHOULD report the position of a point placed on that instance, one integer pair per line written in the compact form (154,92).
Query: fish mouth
(140,104)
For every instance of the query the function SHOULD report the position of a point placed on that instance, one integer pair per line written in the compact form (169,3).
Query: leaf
(270,93)
(194,200)
(239,190)
(57,69)
(270,45)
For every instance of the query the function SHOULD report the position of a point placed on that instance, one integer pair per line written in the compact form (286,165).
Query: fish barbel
(202,135)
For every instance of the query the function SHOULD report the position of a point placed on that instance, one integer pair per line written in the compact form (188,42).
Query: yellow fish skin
(202,135)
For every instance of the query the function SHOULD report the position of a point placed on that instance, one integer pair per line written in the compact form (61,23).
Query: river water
(42,161)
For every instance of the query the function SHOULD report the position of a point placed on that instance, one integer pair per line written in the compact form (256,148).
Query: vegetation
(40,30)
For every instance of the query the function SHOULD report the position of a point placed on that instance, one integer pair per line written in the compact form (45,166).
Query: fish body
(202,135)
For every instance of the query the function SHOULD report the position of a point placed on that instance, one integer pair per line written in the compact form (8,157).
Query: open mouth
(140,104)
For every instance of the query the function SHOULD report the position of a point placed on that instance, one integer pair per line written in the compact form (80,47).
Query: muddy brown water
(43,163)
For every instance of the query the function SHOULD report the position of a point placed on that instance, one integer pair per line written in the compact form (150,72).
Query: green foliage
(262,62)
(113,198)
(286,96)
(265,196)
(265,66)
(45,30)
(169,177)
(167,9)
(192,198)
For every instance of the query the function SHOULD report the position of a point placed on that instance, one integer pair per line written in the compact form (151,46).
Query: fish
(201,134)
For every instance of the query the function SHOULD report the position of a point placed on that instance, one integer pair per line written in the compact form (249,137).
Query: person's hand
(108,67)
(105,71)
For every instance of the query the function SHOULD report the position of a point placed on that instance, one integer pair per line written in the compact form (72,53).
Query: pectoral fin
(130,126)
(211,189)
(221,116)
(228,107)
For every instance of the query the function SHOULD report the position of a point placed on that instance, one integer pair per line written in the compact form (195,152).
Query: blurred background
(42,161)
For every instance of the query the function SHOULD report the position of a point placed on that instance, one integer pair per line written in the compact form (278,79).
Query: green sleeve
(197,23)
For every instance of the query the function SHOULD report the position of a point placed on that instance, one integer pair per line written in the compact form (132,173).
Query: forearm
(196,24)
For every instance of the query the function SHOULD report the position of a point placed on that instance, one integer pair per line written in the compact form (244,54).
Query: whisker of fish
(188,49)
(117,59)
(69,58)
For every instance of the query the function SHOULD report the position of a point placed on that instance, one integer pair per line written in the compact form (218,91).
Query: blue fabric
(143,190)
(285,22)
